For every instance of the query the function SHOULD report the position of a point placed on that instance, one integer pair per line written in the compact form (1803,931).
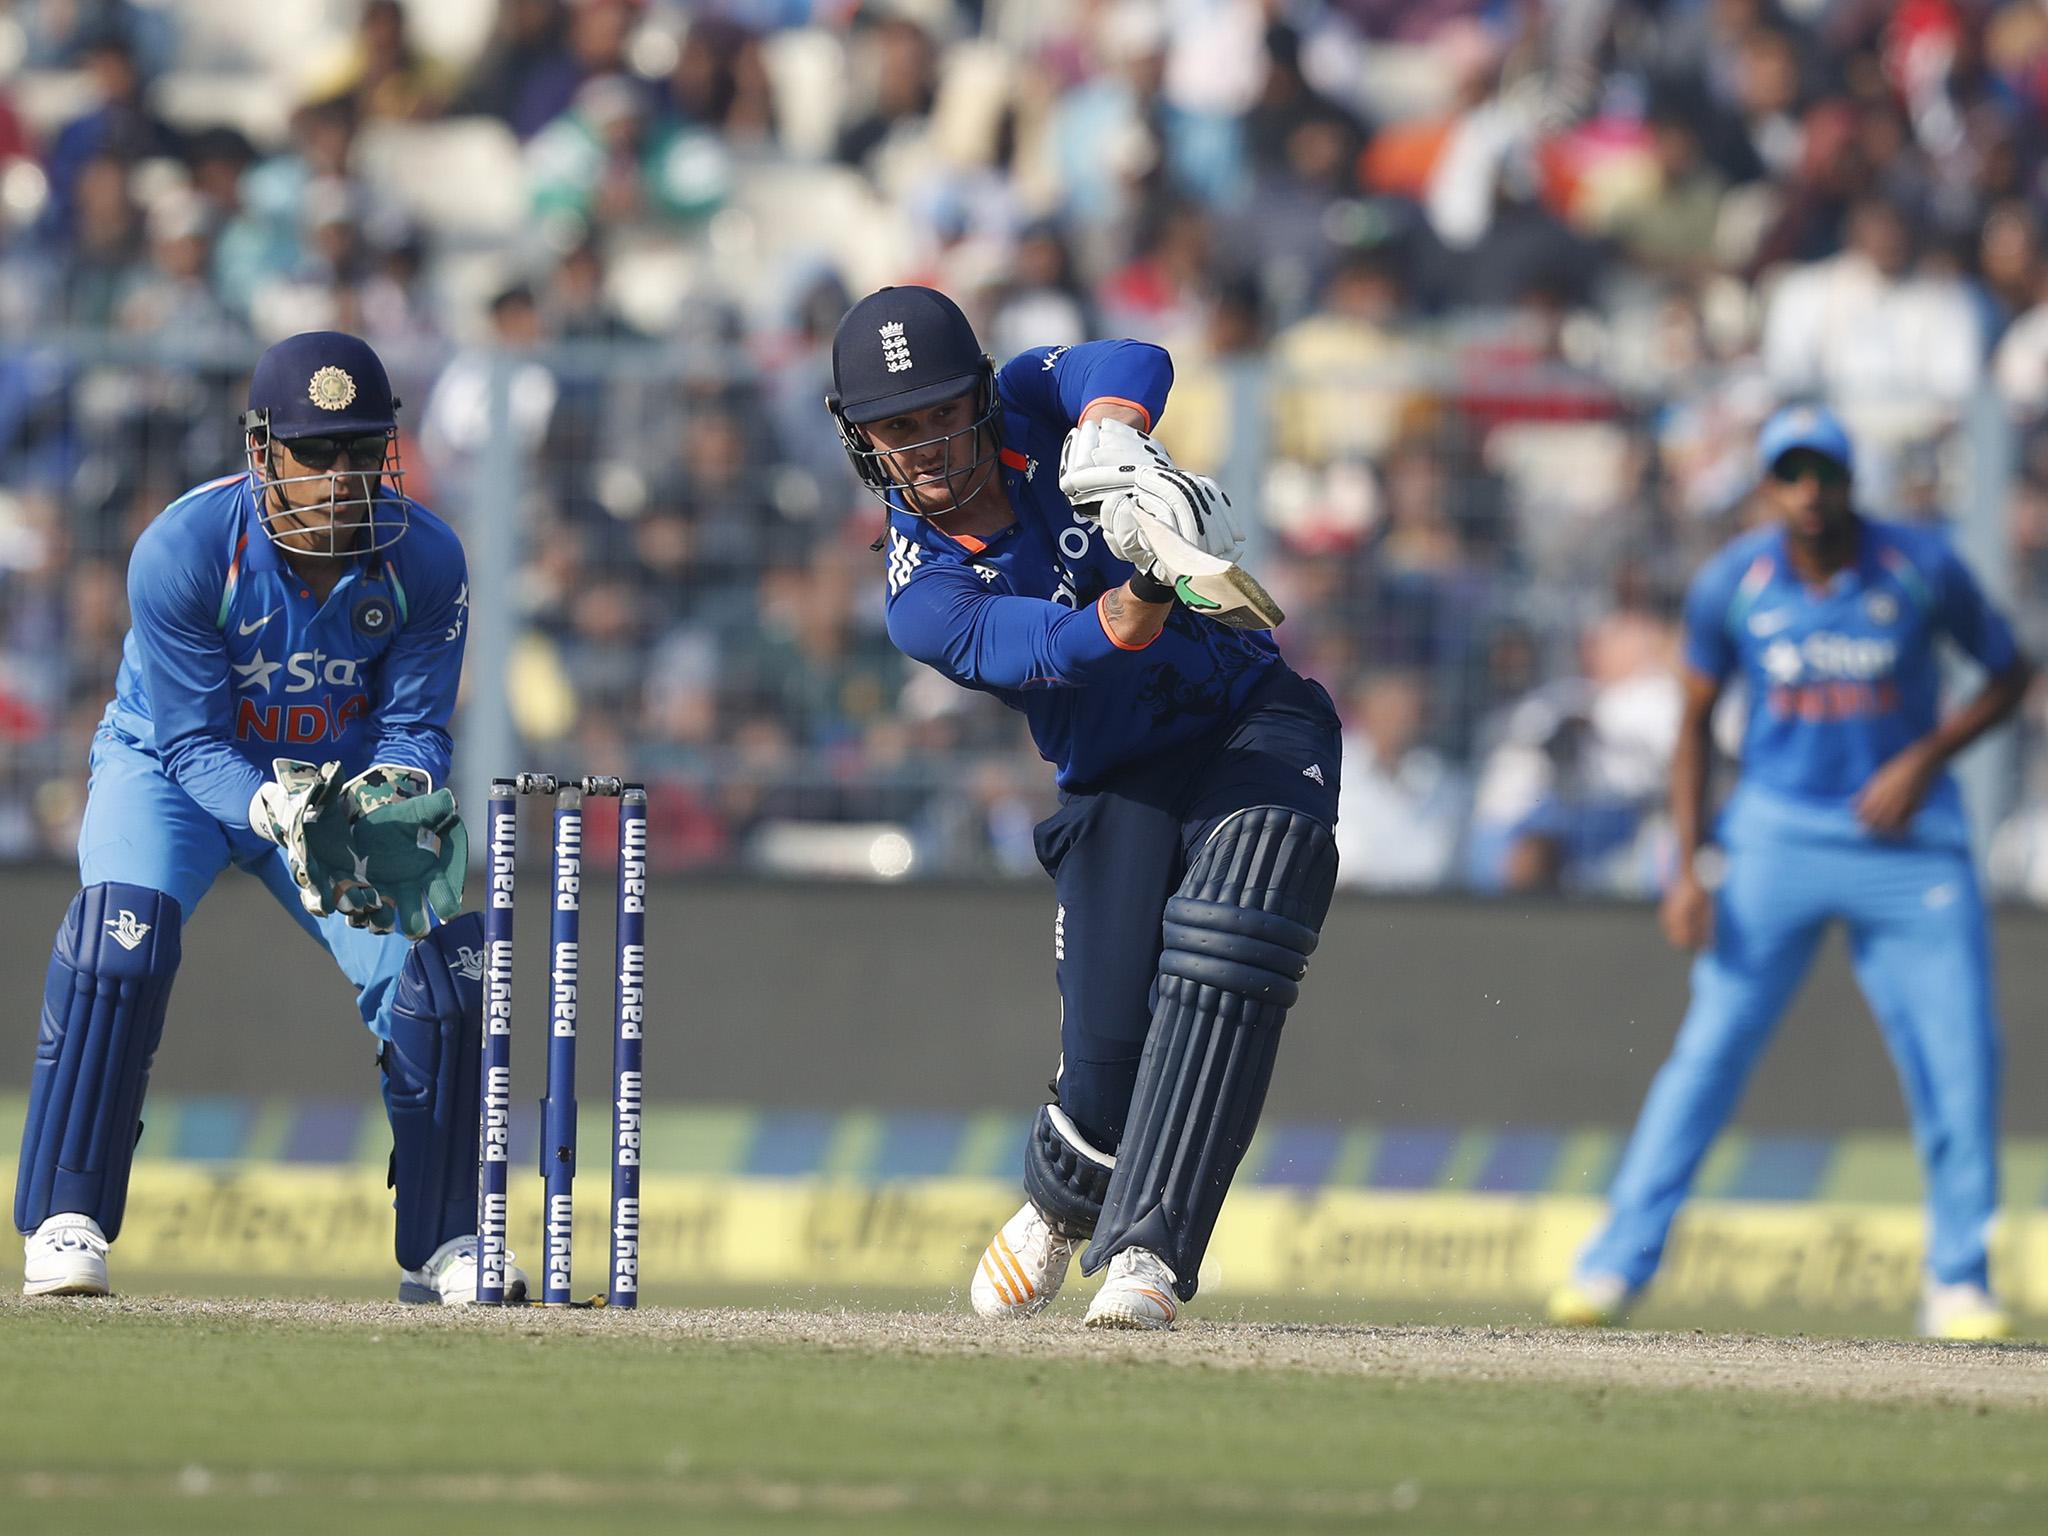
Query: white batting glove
(1110,471)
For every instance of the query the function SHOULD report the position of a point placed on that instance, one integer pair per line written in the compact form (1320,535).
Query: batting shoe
(1962,1311)
(448,1279)
(65,1256)
(1138,1293)
(1591,1301)
(1022,1268)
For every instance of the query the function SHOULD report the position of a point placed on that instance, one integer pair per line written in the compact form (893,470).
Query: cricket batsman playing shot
(283,703)
(1044,549)
(1844,811)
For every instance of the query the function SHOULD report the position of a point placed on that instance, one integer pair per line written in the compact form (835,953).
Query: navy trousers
(1119,848)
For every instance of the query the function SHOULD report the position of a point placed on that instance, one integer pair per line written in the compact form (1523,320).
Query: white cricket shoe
(1594,1300)
(1138,1293)
(1962,1311)
(65,1256)
(1022,1268)
(448,1279)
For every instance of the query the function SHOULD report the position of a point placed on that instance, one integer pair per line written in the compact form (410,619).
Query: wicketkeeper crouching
(282,706)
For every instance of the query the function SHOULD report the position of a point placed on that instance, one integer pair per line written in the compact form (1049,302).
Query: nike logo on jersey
(250,629)
(1762,624)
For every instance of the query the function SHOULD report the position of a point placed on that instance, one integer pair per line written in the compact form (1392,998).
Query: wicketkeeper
(283,703)
(1044,549)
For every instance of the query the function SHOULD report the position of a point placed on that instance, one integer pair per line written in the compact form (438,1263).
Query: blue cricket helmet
(898,351)
(325,396)
(322,384)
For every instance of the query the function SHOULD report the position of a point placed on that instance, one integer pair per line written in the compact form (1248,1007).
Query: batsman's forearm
(1994,702)
(1133,621)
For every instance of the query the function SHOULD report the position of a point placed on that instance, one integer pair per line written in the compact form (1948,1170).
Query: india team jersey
(1016,615)
(229,662)
(1840,678)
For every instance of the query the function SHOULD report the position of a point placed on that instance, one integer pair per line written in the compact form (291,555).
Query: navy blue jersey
(1843,677)
(1017,616)
(229,662)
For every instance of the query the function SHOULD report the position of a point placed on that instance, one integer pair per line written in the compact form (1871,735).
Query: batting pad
(431,1088)
(103,1015)
(1238,936)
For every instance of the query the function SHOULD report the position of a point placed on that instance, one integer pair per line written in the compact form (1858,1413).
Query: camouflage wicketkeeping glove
(408,843)
(301,811)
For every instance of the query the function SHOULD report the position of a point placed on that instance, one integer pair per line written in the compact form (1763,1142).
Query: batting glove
(1110,471)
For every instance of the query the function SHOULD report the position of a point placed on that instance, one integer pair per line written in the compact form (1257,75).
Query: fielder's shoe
(1962,1311)
(448,1279)
(1591,1301)
(65,1256)
(1138,1293)
(1022,1268)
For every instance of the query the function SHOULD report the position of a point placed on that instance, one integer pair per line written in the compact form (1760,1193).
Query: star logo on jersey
(895,347)
(126,930)
(1781,662)
(256,672)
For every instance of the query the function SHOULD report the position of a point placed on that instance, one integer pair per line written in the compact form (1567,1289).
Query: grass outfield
(166,1415)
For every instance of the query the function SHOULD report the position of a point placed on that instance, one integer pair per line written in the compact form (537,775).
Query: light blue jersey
(230,663)
(1841,678)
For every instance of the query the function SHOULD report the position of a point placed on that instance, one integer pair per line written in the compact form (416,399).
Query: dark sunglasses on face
(362,453)
(1797,465)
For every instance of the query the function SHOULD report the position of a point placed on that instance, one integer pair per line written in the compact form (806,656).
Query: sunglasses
(1798,464)
(362,453)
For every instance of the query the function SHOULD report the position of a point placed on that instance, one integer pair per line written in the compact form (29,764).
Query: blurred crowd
(1475,304)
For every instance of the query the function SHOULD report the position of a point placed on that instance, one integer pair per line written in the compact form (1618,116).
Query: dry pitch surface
(1868,1370)
(159,1414)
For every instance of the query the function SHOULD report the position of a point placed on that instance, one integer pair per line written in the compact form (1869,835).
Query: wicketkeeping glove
(1111,471)
(301,811)
(410,845)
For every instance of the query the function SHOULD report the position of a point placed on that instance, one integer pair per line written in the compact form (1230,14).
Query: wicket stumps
(558,1103)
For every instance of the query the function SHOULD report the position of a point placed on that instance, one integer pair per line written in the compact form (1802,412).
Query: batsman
(1044,549)
(282,707)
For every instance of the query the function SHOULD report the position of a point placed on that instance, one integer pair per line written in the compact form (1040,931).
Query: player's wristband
(1147,588)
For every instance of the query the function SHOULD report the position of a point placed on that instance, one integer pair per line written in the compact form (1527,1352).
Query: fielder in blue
(1043,549)
(282,707)
(1845,811)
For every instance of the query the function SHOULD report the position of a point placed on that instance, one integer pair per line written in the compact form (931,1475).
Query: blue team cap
(900,350)
(322,384)
(1811,427)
